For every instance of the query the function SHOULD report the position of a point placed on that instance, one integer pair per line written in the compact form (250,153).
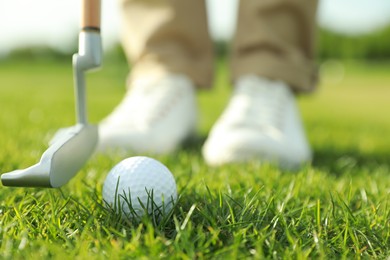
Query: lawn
(338,207)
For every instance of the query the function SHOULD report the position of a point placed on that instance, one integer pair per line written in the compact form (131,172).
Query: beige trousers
(274,39)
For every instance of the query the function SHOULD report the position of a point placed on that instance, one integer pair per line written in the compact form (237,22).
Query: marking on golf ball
(140,182)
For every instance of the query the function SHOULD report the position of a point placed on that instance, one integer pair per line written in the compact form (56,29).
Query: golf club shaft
(81,106)
(89,55)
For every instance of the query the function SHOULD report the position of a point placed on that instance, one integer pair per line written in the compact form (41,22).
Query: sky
(55,22)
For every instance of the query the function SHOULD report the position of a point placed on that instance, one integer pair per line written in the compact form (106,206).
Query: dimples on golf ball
(140,175)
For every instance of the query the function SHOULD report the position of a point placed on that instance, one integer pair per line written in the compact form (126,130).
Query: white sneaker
(261,122)
(155,116)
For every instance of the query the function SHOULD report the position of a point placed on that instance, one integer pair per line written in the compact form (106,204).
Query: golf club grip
(90,19)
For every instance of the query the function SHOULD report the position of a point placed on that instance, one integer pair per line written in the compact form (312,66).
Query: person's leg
(168,36)
(275,39)
(272,57)
(170,51)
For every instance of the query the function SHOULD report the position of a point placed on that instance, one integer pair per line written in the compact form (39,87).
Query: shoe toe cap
(243,146)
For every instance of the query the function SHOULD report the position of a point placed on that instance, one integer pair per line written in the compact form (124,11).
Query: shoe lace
(147,103)
(258,104)
(162,99)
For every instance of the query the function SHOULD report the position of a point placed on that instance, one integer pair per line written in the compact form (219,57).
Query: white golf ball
(139,183)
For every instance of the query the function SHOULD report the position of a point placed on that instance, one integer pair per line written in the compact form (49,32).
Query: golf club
(71,147)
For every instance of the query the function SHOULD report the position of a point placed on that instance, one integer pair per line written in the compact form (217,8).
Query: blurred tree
(331,45)
(373,46)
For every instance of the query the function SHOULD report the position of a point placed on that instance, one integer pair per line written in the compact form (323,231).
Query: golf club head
(69,151)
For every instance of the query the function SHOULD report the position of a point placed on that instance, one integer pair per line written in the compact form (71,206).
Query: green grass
(339,207)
